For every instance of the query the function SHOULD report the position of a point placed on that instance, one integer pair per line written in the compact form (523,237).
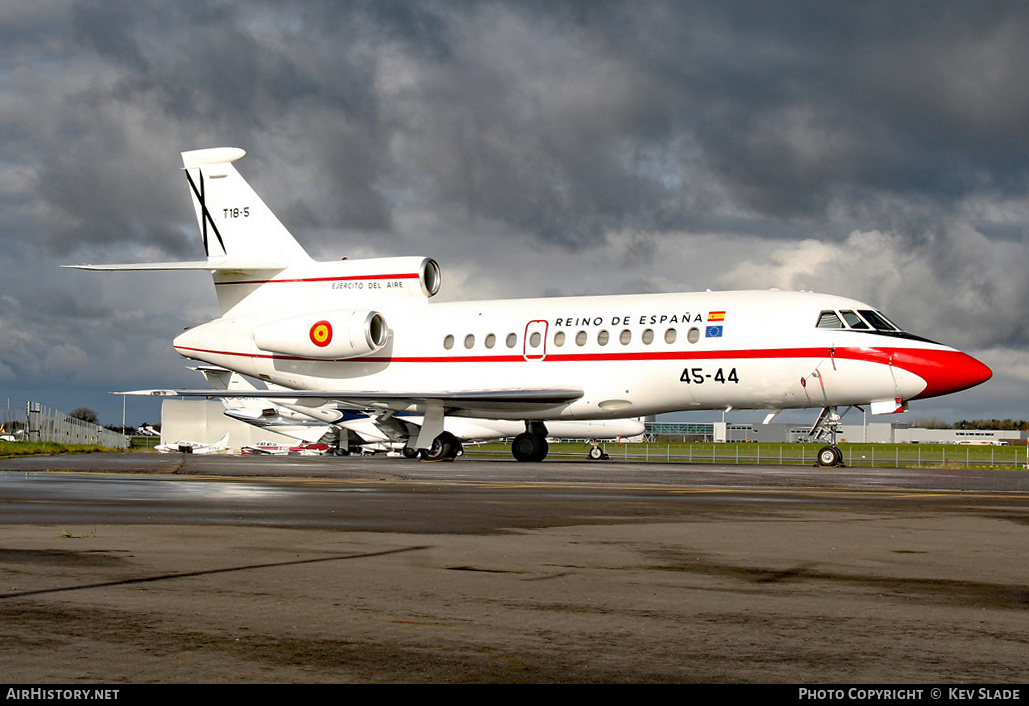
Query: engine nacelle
(326,335)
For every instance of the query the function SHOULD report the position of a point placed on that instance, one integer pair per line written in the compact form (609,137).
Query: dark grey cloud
(875,149)
(567,121)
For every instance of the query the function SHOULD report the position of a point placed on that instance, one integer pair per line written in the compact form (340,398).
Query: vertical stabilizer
(236,225)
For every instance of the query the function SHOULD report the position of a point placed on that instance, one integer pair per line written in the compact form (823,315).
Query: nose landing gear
(830,456)
(825,428)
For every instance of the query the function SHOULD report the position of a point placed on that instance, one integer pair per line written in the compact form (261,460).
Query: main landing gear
(825,428)
(445,447)
(531,445)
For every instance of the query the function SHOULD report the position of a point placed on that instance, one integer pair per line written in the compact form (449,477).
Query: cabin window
(625,337)
(559,338)
(693,335)
(512,340)
(648,336)
(670,336)
(602,338)
(469,341)
(448,342)
(829,319)
(580,338)
(534,339)
(491,340)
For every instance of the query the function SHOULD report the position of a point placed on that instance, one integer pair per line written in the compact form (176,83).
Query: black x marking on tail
(207,217)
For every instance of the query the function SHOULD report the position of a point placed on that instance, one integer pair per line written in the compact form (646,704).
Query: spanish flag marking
(321,334)
(716,316)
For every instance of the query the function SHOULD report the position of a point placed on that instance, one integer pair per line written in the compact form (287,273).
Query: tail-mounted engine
(325,335)
(358,284)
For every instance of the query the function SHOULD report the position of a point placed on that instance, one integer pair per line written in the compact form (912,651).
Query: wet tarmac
(143,568)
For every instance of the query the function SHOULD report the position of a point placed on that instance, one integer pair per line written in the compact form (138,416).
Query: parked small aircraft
(364,335)
(16,436)
(195,447)
(272,448)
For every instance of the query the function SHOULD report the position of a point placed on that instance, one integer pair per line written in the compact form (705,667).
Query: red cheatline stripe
(876,355)
(944,371)
(409,275)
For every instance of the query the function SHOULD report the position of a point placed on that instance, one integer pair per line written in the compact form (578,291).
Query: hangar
(205,422)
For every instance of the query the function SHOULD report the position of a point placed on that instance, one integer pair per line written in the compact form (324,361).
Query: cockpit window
(867,320)
(829,319)
(853,320)
(880,322)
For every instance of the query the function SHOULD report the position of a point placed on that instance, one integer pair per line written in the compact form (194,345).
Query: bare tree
(85,414)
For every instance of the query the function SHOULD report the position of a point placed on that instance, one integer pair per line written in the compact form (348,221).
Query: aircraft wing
(479,401)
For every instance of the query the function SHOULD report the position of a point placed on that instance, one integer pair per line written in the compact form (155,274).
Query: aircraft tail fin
(240,233)
(257,265)
(222,379)
(236,225)
(229,382)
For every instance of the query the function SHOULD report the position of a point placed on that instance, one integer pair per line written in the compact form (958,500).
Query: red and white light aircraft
(365,335)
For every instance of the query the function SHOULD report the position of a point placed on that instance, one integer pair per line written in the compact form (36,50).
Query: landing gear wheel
(597,454)
(530,447)
(410,452)
(444,448)
(829,456)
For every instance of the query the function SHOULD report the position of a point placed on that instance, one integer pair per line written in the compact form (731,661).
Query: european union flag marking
(714,332)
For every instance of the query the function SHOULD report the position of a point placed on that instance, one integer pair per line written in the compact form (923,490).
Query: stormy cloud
(875,150)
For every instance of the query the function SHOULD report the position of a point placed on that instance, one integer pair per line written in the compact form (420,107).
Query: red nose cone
(943,371)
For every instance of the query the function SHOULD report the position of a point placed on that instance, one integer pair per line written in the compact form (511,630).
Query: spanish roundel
(321,334)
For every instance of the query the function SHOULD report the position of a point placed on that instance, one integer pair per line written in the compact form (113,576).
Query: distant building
(685,432)
(960,436)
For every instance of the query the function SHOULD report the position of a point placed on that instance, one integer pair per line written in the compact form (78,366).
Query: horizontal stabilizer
(213,265)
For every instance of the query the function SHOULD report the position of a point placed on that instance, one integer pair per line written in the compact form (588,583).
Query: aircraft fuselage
(630,355)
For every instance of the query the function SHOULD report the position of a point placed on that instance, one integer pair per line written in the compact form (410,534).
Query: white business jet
(364,334)
(354,432)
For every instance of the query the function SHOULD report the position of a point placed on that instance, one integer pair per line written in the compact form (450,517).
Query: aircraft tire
(596,453)
(443,448)
(829,456)
(529,447)
(410,452)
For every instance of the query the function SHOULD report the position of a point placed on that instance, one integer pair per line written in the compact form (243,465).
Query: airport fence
(893,455)
(794,454)
(36,422)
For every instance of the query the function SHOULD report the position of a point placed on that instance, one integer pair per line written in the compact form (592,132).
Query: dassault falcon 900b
(364,334)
